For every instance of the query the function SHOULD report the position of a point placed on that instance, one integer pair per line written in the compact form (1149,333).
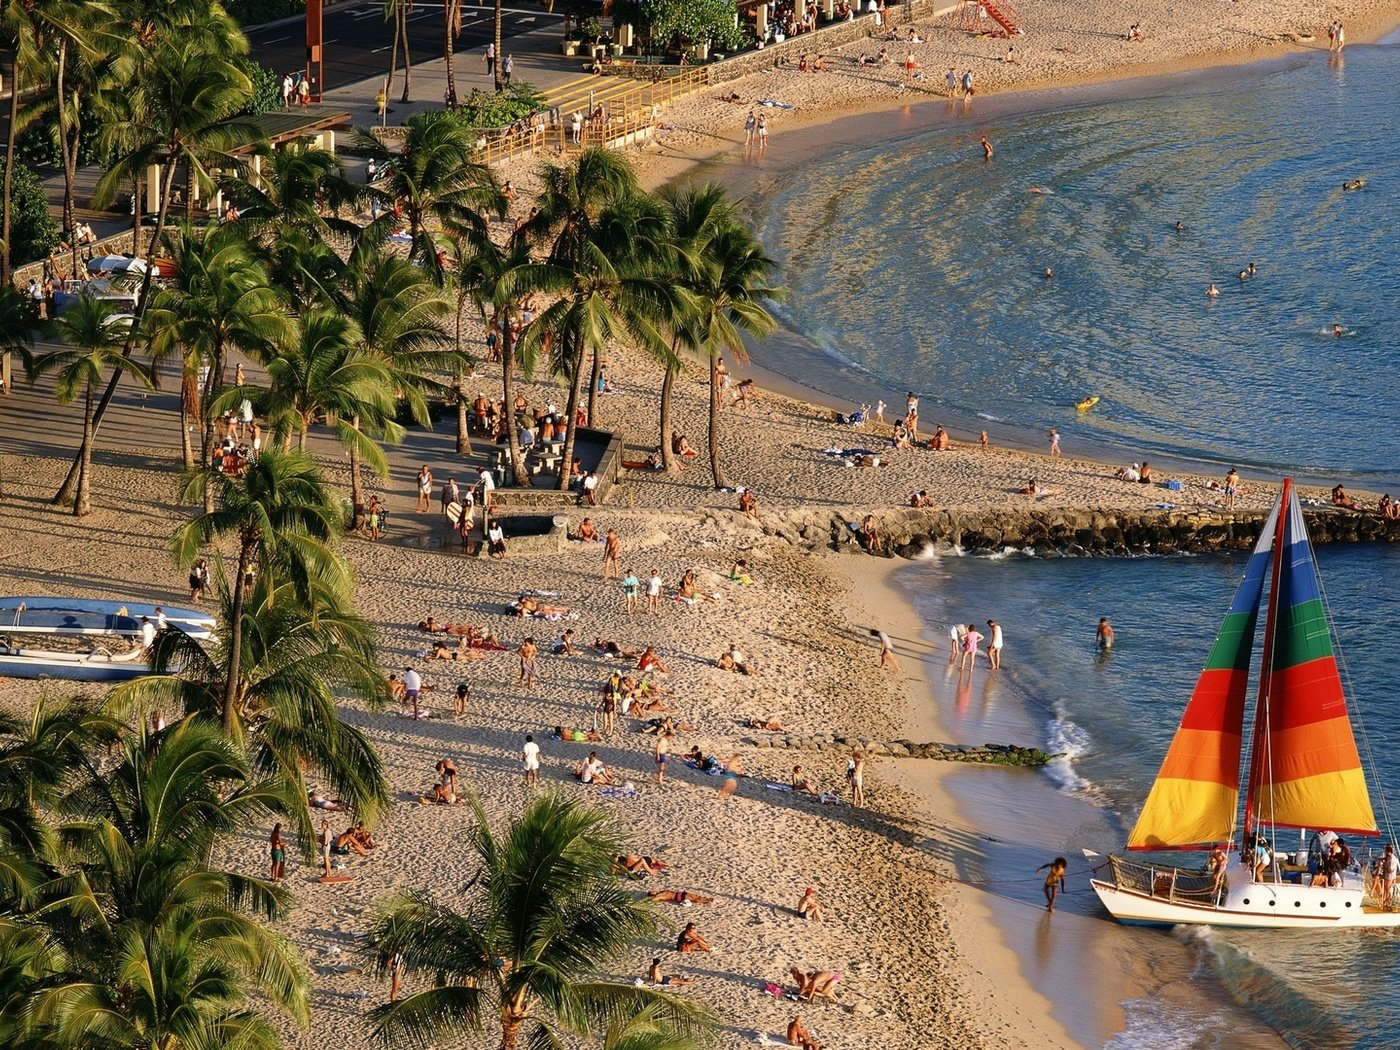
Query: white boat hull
(99,667)
(1251,905)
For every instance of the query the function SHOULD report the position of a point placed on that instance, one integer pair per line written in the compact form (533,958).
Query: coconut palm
(162,951)
(451,30)
(401,317)
(305,270)
(219,301)
(438,186)
(288,190)
(398,11)
(175,111)
(297,653)
(493,276)
(607,241)
(728,286)
(544,916)
(16,337)
(284,521)
(94,338)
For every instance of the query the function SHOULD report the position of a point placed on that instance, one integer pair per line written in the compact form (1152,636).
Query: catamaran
(1303,769)
(85,639)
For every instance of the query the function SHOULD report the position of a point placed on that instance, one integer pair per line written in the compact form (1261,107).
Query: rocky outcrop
(994,754)
(909,532)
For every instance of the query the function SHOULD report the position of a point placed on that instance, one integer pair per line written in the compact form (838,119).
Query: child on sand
(1055,881)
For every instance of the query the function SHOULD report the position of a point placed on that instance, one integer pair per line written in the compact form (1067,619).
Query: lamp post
(315,33)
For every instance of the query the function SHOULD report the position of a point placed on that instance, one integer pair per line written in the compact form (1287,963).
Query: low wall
(993,754)
(907,532)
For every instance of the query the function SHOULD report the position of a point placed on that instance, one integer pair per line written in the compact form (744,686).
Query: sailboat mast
(1259,741)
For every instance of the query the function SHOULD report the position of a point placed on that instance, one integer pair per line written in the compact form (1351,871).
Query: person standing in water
(986,148)
(1055,881)
(1105,633)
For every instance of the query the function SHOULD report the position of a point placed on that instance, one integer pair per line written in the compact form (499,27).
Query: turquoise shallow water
(914,263)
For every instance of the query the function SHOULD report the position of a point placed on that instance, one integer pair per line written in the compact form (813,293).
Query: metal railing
(1191,885)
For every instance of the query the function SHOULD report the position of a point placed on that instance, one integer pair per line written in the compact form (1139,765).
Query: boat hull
(1267,905)
(72,667)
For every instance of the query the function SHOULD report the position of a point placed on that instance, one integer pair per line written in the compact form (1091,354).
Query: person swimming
(1212,292)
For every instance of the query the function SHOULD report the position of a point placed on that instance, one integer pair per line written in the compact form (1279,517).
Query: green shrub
(267,89)
(489,109)
(256,12)
(32,231)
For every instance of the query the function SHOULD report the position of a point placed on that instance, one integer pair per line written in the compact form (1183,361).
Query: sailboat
(1303,769)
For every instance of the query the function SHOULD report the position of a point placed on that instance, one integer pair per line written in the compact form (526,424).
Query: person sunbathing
(348,842)
(772,725)
(660,726)
(799,1036)
(319,801)
(440,651)
(809,907)
(734,660)
(739,573)
(655,976)
(592,771)
(527,606)
(1036,489)
(648,705)
(441,795)
(680,446)
(801,782)
(587,533)
(681,897)
(575,736)
(430,626)
(611,648)
(687,590)
(815,984)
(650,662)
(636,864)
(689,940)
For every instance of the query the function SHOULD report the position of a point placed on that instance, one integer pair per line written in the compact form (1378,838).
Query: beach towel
(774,104)
(627,791)
(847,453)
(826,798)
(778,787)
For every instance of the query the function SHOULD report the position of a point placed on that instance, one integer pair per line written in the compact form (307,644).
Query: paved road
(357,39)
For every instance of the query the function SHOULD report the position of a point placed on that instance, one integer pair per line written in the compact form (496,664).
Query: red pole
(315,67)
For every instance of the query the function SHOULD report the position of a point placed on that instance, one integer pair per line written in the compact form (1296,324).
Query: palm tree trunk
(9,168)
(593,374)
(65,491)
(235,638)
(668,457)
(356,489)
(496,66)
(68,147)
(464,437)
(517,464)
(512,1021)
(82,505)
(407,58)
(393,52)
(713,436)
(207,432)
(570,426)
(451,18)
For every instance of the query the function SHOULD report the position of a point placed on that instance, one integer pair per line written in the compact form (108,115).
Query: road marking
(276,39)
(332,40)
(379,49)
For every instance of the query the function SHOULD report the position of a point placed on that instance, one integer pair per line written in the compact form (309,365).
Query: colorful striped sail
(1307,771)
(1195,799)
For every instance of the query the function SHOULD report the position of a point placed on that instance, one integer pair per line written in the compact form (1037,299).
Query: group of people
(296,88)
(964,641)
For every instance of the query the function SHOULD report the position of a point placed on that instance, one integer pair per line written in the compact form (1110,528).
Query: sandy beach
(921,961)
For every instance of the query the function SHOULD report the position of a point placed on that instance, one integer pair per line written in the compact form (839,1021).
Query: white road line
(379,49)
(276,39)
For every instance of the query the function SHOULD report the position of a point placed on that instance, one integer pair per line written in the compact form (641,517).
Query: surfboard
(334,878)
(454,513)
(1087,403)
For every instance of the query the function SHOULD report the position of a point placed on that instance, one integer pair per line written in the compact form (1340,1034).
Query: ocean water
(1113,717)
(912,263)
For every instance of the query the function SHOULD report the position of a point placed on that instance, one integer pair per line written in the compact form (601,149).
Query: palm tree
(283,517)
(398,11)
(451,29)
(326,371)
(297,654)
(439,186)
(400,312)
(607,239)
(177,110)
(729,285)
(94,337)
(161,949)
(545,916)
(220,301)
(289,189)
(16,337)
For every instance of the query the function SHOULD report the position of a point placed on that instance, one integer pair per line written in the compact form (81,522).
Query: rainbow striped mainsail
(1195,798)
(1306,770)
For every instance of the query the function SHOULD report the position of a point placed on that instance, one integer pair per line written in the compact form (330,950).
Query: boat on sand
(88,640)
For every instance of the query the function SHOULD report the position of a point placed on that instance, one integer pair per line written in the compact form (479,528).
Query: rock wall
(993,754)
(908,532)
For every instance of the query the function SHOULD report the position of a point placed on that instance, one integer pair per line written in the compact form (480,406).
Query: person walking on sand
(662,752)
(967,84)
(994,644)
(527,652)
(762,134)
(1054,436)
(855,776)
(612,551)
(278,849)
(1055,881)
(1232,486)
(654,586)
(951,79)
(750,127)
(886,649)
(323,840)
(425,489)
(631,587)
(530,753)
(986,148)
(956,633)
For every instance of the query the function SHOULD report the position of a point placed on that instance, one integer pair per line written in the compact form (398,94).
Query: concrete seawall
(907,532)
